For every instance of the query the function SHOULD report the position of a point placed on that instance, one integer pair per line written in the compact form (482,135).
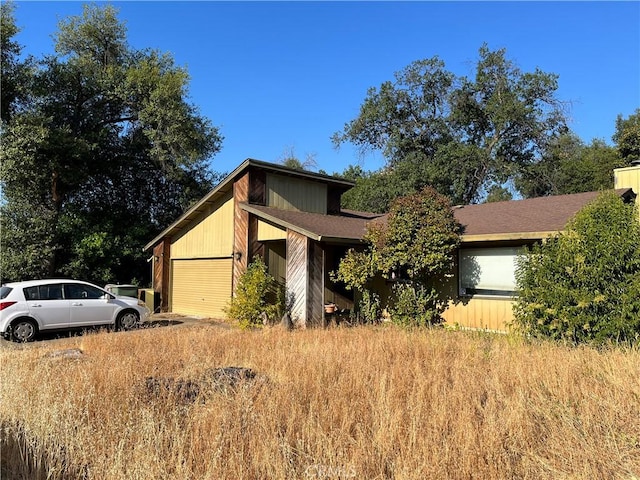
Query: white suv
(27,308)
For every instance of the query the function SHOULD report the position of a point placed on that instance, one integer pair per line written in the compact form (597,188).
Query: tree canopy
(100,151)
(415,247)
(627,136)
(462,136)
(570,166)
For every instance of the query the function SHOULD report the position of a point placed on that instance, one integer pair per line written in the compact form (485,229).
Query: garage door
(201,287)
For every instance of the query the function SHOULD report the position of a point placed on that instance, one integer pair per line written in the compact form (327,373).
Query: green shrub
(369,307)
(257,293)
(583,285)
(414,305)
(416,244)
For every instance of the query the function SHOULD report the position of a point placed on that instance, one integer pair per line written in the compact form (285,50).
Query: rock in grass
(225,378)
(183,391)
(180,391)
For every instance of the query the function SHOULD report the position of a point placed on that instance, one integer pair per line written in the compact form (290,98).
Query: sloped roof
(528,219)
(532,218)
(348,226)
(226,186)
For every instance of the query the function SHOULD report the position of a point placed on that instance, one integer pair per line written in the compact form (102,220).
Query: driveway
(156,320)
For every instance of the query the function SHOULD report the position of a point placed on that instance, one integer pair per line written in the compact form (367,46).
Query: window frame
(493,251)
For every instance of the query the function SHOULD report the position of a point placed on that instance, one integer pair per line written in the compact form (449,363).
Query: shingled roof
(532,218)
(349,226)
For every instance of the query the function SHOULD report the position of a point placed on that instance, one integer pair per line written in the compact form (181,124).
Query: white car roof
(32,283)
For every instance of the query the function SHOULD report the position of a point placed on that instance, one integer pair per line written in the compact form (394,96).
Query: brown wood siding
(201,287)
(315,290)
(334,197)
(297,275)
(161,271)
(256,248)
(258,188)
(240,229)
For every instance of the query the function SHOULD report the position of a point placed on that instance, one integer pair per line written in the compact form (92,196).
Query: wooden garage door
(201,287)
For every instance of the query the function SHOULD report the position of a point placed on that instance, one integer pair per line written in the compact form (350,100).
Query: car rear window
(4,291)
(44,292)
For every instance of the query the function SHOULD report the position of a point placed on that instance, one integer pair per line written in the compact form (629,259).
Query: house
(293,220)
(494,235)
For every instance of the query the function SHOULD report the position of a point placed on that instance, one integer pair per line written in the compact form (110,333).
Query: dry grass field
(364,402)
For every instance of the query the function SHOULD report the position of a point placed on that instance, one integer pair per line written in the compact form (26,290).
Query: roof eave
(497,237)
(296,228)
(279,222)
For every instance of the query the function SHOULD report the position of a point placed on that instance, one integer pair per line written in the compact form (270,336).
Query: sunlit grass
(366,402)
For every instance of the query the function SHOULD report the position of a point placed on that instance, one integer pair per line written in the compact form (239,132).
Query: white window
(488,271)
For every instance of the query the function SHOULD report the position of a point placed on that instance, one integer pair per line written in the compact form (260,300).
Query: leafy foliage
(584,284)
(416,247)
(627,137)
(459,135)
(101,144)
(255,288)
(570,166)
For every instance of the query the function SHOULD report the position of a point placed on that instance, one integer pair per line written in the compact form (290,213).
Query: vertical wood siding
(482,313)
(297,275)
(210,236)
(276,261)
(258,188)
(488,313)
(289,193)
(161,272)
(629,177)
(334,197)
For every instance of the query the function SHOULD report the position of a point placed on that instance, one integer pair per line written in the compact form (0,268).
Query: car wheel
(23,331)
(127,320)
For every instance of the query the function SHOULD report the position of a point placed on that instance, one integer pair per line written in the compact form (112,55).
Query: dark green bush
(583,285)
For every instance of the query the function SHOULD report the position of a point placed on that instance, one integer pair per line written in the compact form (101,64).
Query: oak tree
(102,152)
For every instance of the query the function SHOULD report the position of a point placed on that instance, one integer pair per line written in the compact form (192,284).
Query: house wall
(211,236)
(476,311)
(161,272)
(482,313)
(288,193)
(276,260)
(267,232)
(628,177)
(297,269)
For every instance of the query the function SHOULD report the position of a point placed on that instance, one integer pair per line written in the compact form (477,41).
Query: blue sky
(277,75)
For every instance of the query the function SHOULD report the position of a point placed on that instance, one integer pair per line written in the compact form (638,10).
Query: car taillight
(4,305)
